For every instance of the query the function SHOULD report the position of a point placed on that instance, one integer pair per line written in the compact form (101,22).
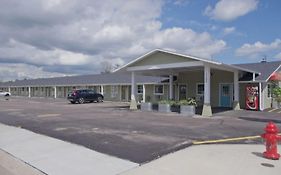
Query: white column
(207,84)
(171,87)
(254,77)
(236,105)
(133,104)
(101,89)
(143,93)
(207,110)
(29,92)
(236,86)
(55,92)
(9,89)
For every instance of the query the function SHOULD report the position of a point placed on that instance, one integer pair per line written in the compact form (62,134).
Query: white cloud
(228,30)
(181,2)
(16,51)
(80,35)
(187,41)
(22,71)
(253,50)
(227,10)
(278,56)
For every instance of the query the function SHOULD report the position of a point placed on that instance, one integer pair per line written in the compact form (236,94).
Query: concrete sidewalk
(44,155)
(56,157)
(10,165)
(212,160)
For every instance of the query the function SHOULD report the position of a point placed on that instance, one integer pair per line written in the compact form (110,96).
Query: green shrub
(277,94)
(189,101)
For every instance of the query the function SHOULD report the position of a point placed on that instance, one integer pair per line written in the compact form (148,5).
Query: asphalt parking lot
(111,128)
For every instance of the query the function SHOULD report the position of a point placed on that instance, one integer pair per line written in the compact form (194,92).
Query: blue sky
(49,38)
(260,25)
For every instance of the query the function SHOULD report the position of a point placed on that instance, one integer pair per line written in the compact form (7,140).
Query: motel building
(163,75)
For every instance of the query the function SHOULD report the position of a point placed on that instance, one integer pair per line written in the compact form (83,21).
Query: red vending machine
(252,97)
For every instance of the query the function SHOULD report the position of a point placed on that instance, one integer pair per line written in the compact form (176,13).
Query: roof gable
(266,69)
(160,58)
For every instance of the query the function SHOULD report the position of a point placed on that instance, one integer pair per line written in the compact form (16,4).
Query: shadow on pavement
(260,119)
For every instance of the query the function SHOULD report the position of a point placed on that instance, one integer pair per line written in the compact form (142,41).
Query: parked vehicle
(4,93)
(84,95)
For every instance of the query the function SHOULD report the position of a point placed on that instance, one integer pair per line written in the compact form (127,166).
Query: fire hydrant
(271,138)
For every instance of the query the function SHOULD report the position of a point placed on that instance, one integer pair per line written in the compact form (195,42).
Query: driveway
(111,128)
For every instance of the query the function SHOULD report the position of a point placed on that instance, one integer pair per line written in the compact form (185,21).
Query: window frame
(114,91)
(157,93)
(141,88)
(197,85)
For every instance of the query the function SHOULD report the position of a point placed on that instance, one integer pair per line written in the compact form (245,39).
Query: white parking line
(48,115)
(272,110)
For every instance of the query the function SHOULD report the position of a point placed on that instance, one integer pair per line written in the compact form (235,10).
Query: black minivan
(84,95)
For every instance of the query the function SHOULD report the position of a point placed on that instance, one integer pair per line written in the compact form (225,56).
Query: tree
(277,94)
(108,67)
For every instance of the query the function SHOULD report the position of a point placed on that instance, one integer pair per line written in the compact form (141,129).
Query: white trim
(231,93)
(29,92)
(231,68)
(179,90)
(71,85)
(273,72)
(164,51)
(185,56)
(166,66)
(55,92)
(260,100)
(159,93)
(143,94)
(102,90)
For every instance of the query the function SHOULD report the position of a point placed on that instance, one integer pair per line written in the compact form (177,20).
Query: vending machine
(252,97)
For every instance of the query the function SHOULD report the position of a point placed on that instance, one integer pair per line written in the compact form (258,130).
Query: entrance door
(226,95)
(182,92)
(123,93)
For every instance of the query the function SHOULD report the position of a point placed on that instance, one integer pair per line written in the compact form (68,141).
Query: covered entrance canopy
(169,64)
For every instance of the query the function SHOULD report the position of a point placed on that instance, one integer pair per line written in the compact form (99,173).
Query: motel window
(200,89)
(159,89)
(114,91)
(140,89)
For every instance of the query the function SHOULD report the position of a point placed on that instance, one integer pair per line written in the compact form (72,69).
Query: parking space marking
(227,140)
(48,115)
(10,110)
(272,110)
